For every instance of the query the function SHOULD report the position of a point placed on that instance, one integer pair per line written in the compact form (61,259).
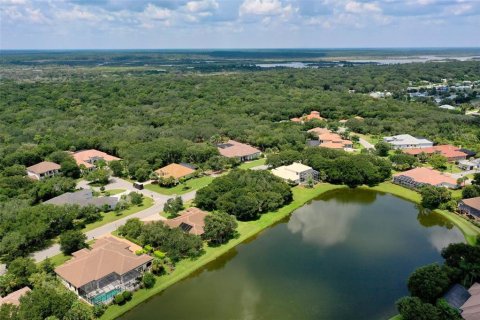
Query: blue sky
(150,24)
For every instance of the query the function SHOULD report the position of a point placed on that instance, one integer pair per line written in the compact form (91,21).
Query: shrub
(139,252)
(99,310)
(119,299)
(148,280)
(127,295)
(148,248)
(159,254)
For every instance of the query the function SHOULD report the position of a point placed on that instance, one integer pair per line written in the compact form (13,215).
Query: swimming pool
(105,297)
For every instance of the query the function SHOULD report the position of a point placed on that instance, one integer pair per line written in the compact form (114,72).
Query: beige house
(43,170)
(241,151)
(14,297)
(295,173)
(106,269)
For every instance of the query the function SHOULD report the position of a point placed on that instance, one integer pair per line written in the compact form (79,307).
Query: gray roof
(404,139)
(82,198)
(456,296)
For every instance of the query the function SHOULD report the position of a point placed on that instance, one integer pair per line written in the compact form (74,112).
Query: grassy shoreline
(247,230)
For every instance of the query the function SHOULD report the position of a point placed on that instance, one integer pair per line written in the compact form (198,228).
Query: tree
(131,229)
(117,168)
(382,148)
(471,191)
(22,269)
(433,197)
(476,179)
(79,311)
(47,266)
(71,241)
(148,280)
(70,169)
(46,301)
(412,308)
(437,161)
(219,228)
(173,206)
(142,174)
(100,176)
(428,283)
(136,198)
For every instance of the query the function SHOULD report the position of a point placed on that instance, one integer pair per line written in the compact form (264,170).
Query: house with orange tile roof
(43,170)
(191,220)
(318,131)
(333,140)
(88,158)
(176,171)
(418,177)
(106,269)
(14,297)
(314,115)
(241,151)
(450,152)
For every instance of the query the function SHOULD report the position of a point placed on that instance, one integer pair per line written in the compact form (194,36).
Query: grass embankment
(246,230)
(112,216)
(192,184)
(113,192)
(252,164)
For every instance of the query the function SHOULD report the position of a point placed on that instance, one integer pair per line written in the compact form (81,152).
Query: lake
(346,255)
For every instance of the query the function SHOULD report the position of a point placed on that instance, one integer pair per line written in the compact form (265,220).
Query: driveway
(464,173)
(366,144)
(117,183)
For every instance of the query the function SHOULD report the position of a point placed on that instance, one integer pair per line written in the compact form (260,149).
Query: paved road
(464,173)
(116,183)
(366,144)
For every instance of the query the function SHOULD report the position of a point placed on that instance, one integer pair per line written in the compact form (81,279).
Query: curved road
(117,183)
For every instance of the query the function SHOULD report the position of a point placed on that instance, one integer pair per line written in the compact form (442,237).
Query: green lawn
(59,259)
(114,191)
(251,164)
(112,216)
(246,231)
(193,184)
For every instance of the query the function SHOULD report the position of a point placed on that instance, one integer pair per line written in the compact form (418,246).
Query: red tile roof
(428,176)
(193,217)
(175,171)
(43,167)
(319,131)
(448,151)
(232,149)
(311,116)
(14,297)
(84,156)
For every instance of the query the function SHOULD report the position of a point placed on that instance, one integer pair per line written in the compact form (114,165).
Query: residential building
(88,158)
(470,207)
(295,173)
(191,220)
(456,296)
(473,164)
(84,198)
(450,152)
(447,107)
(380,94)
(106,269)
(43,169)
(471,307)
(406,141)
(418,177)
(176,171)
(241,151)
(314,115)
(334,141)
(318,131)
(14,297)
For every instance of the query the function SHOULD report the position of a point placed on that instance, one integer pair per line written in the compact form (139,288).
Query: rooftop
(191,220)
(107,255)
(43,167)
(428,176)
(175,170)
(87,157)
(14,297)
(234,148)
(445,150)
(471,307)
(319,131)
(403,139)
(456,296)
(472,202)
(82,198)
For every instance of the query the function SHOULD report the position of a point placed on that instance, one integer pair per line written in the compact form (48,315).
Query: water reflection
(325,227)
(440,238)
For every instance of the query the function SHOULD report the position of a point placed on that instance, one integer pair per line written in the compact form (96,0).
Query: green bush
(139,252)
(148,280)
(159,254)
(148,248)
(127,295)
(99,310)
(119,299)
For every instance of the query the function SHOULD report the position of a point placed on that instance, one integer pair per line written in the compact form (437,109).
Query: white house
(447,107)
(295,173)
(406,141)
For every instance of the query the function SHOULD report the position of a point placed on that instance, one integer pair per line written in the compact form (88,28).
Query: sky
(169,24)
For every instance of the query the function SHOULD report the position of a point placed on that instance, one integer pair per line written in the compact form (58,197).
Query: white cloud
(12,2)
(201,6)
(461,9)
(361,7)
(155,13)
(77,13)
(263,7)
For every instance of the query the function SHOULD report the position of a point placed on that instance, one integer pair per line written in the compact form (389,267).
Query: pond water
(345,255)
